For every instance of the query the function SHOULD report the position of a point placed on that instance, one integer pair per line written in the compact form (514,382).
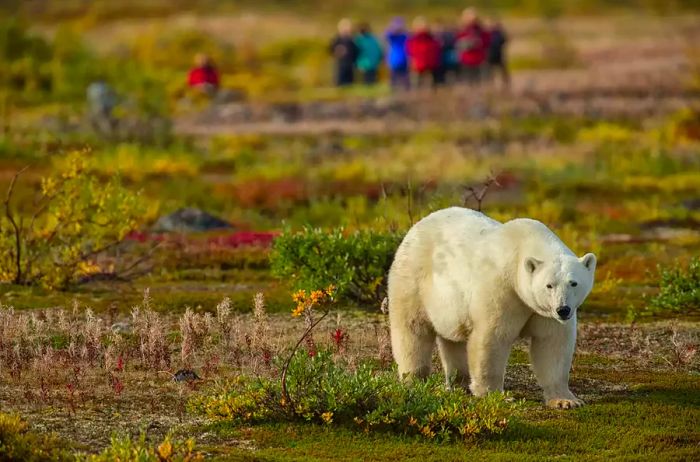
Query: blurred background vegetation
(598,138)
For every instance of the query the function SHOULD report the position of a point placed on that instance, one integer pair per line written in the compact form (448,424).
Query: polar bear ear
(531,264)
(589,261)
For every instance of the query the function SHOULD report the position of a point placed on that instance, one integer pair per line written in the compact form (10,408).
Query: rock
(189,220)
(185,375)
(233,112)
(121,327)
(286,112)
(229,95)
(692,204)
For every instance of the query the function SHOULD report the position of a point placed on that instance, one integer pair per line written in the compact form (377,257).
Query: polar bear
(476,285)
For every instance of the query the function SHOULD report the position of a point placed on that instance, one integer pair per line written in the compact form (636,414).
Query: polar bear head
(555,288)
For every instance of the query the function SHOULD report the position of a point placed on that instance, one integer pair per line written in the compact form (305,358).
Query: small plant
(150,330)
(123,448)
(18,443)
(306,305)
(679,290)
(355,263)
(683,350)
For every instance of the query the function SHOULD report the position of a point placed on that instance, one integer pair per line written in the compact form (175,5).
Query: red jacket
(472,45)
(423,51)
(203,75)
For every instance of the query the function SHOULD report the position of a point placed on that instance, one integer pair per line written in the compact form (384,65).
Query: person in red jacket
(204,75)
(472,45)
(424,53)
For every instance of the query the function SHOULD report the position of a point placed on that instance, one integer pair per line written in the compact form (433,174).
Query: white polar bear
(476,285)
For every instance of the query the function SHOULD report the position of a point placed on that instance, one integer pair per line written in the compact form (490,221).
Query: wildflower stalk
(306,304)
(308,330)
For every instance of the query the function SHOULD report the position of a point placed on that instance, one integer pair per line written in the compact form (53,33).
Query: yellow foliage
(679,182)
(306,302)
(606,132)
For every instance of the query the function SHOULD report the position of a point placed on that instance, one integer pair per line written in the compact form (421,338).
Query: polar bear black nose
(564,312)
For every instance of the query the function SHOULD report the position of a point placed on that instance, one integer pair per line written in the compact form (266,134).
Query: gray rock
(188,220)
(692,204)
(121,327)
(185,375)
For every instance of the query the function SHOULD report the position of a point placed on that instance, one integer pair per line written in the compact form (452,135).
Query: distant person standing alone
(203,76)
(424,53)
(397,58)
(101,101)
(369,54)
(345,52)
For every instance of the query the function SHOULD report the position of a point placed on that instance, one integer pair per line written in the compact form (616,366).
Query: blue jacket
(396,57)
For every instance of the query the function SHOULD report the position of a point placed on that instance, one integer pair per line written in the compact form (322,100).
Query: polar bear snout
(564,312)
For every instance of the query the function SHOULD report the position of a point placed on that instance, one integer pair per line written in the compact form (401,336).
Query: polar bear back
(467,237)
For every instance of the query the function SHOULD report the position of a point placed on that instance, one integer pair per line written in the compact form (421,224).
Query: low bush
(18,443)
(73,220)
(355,263)
(679,290)
(327,392)
(123,448)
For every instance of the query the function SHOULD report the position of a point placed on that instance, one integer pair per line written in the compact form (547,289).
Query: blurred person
(496,56)
(101,101)
(423,53)
(369,54)
(397,59)
(203,76)
(345,52)
(449,64)
(472,45)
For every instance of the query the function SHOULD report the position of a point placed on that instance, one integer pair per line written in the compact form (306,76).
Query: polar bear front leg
(488,356)
(551,352)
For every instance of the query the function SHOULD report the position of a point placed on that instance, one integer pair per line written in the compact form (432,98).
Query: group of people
(427,55)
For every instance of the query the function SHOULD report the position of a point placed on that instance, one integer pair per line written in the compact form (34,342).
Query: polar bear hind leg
(454,362)
(412,336)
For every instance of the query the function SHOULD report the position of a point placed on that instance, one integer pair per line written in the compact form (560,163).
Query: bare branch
(478,193)
(17,228)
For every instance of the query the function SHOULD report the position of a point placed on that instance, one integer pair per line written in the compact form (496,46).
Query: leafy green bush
(17,443)
(326,392)
(355,263)
(125,449)
(680,290)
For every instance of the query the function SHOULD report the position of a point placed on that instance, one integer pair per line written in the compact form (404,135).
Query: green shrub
(355,263)
(124,449)
(17,443)
(680,290)
(327,392)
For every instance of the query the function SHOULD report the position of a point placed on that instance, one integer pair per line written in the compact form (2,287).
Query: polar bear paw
(564,403)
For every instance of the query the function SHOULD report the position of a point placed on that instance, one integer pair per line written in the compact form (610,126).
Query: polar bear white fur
(476,285)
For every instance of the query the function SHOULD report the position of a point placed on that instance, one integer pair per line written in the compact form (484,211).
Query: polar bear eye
(549,286)
(574,283)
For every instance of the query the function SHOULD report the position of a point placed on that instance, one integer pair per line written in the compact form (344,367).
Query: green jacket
(370,52)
